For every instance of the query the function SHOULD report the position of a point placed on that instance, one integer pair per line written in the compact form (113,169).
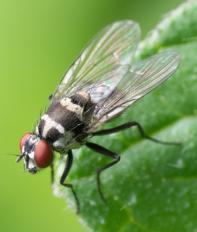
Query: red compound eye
(43,154)
(23,139)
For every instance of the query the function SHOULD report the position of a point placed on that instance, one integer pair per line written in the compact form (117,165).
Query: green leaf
(153,187)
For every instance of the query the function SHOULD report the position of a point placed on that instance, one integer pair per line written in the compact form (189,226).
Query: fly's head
(36,152)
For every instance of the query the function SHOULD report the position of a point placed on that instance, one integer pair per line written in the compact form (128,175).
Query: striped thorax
(66,121)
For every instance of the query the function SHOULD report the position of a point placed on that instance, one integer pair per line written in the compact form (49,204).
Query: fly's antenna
(19,157)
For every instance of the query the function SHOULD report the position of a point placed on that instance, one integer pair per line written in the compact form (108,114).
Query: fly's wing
(140,80)
(102,63)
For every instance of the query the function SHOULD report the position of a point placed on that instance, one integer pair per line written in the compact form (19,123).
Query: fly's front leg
(50,97)
(129,125)
(99,149)
(52,173)
(67,168)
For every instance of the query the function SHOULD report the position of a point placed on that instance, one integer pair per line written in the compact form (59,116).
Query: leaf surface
(154,187)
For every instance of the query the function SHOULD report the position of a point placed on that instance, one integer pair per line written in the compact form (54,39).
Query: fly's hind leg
(129,125)
(116,158)
(67,168)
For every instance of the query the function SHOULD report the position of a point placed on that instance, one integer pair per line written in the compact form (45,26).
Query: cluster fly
(101,84)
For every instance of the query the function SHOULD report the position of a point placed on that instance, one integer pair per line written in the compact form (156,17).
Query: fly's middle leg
(116,158)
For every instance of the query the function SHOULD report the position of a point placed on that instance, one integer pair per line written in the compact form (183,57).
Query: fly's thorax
(65,122)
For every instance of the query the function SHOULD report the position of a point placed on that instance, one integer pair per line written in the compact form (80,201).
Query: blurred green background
(38,41)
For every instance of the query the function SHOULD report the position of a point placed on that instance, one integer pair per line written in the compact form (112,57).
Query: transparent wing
(102,63)
(140,80)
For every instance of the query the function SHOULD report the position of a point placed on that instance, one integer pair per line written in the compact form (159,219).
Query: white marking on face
(49,123)
(31,162)
(66,102)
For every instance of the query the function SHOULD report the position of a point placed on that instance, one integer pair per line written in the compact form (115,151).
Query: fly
(101,84)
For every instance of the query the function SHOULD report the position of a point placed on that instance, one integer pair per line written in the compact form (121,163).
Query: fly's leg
(52,173)
(129,125)
(50,97)
(114,156)
(99,149)
(67,168)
